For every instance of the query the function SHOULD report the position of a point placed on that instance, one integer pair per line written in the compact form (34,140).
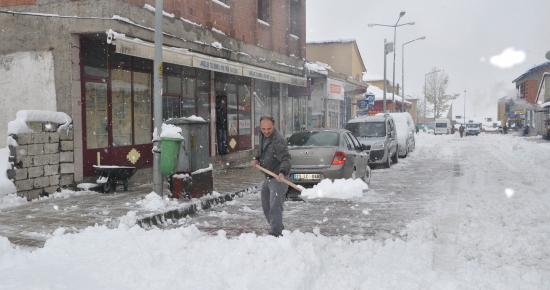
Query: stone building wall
(43,162)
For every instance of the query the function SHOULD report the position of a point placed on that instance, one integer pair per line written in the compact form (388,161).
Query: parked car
(405,132)
(442,126)
(327,153)
(380,136)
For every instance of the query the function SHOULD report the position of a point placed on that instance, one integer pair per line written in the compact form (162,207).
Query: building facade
(93,59)
(337,93)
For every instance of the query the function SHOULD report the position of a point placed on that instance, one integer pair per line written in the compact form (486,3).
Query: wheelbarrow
(109,175)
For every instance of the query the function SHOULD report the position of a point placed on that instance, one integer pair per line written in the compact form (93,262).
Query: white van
(405,132)
(442,126)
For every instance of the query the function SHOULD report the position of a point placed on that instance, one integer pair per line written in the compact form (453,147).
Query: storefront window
(232,115)
(244,109)
(96,115)
(188,100)
(122,107)
(262,94)
(142,108)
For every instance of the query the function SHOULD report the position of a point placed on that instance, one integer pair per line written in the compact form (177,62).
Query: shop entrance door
(96,123)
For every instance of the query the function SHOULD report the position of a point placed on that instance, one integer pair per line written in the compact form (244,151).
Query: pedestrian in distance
(505,129)
(461,130)
(452,130)
(274,156)
(221,127)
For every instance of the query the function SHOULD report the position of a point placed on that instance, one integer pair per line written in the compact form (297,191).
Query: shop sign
(335,90)
(218,66)
(259,74)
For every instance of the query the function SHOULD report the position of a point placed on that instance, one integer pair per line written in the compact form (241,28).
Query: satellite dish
(548,55)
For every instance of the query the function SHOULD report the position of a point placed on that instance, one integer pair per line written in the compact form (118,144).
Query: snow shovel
(275,175)
(294,198)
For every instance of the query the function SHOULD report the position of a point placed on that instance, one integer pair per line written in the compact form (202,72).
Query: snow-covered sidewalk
(488,231)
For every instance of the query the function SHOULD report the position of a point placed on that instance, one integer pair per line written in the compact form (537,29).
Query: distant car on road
(473,129)
(442,126)
(327,153)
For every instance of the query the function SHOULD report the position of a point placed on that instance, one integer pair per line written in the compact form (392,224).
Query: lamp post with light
(403,72)
(394,36)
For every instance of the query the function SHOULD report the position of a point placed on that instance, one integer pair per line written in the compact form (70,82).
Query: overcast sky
(461,38)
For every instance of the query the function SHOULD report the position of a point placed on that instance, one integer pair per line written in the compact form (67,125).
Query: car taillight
(339,158)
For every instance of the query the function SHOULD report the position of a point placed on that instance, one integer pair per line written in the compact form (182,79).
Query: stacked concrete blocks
(43,161)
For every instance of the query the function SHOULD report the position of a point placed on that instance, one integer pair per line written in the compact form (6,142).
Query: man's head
(267,124)
(221,103)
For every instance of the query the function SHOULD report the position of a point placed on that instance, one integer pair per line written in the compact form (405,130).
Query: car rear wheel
(366,177)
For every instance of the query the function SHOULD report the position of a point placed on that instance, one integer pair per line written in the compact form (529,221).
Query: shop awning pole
(157,97)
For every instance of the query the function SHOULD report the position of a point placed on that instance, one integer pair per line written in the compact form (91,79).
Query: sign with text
(335,90)
(260,74)
(218,66)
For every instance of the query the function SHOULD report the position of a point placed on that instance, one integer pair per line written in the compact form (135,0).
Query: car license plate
(305,177)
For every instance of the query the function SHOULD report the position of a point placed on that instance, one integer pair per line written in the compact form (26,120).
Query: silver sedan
(327,153)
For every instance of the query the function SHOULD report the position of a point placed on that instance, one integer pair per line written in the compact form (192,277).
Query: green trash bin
(169,151)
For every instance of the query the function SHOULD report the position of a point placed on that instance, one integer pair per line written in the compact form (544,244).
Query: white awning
(183,57)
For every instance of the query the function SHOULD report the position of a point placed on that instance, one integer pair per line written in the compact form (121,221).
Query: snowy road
(396,197)
(470,213)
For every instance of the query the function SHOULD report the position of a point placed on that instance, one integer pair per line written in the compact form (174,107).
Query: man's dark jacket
(275,157)
(221,118)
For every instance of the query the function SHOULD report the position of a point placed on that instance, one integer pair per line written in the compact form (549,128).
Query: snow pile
(339,189)
(132,258)
(155,202)
(19,125)
(10,200)
(217,45)
(66,193)
(170,131)
(6,185)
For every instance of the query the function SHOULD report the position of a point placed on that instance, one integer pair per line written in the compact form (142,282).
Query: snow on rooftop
(318,67)
(336,40)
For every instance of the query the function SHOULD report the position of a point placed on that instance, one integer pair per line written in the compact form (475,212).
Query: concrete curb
(178,213)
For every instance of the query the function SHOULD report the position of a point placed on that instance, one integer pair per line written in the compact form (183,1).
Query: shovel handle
(274,175)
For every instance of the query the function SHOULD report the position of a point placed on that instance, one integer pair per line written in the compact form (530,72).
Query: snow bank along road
(468,213)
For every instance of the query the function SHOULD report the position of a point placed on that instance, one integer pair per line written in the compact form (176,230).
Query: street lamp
(388,47)
(403,72)
(425,107)
(394,33)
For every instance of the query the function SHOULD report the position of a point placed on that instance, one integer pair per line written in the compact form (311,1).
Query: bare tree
(423,109)
(435,91)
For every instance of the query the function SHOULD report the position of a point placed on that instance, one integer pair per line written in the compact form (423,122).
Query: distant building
(527,84)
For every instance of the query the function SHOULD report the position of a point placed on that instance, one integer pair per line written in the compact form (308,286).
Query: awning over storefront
(183,57)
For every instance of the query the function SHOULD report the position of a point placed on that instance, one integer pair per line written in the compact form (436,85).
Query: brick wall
(240,21)
(43,161)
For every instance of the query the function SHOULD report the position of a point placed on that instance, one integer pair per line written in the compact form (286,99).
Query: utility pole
(157,97)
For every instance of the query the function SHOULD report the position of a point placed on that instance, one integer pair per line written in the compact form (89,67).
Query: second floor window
(295,18)
(263,10)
